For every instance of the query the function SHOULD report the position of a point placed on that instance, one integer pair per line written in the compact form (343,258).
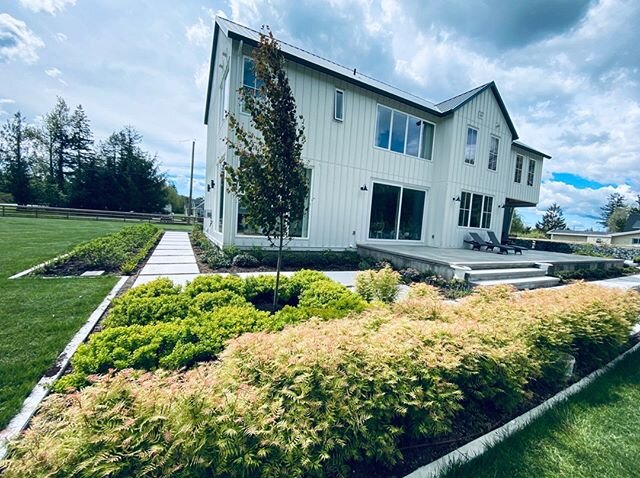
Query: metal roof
(351,75)
(529,149)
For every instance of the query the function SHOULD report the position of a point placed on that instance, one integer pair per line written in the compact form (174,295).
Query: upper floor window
(475,210)
(338,105)
(519,165)
(532,171)
(403,133)
(250,82)
(470,148)
(493,153)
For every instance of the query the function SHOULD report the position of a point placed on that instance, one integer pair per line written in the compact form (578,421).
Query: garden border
(20,421)
(480,445)
(36,267)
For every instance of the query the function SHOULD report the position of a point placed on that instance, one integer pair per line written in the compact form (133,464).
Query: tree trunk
(279,264)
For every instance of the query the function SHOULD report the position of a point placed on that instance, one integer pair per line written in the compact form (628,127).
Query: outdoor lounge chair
(477,242)
(494,240)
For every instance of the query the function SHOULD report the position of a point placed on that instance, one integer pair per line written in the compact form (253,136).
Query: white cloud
(200,33)
(53,72)
(17,42)
(201,76)
(60,37)
(6,101)
(48,6)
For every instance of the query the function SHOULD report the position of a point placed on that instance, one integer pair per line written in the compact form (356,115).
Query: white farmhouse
(385,167)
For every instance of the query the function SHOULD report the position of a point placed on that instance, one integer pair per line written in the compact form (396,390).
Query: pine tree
(614,201)
(14,160)
(80,138)
(553,219)
(270,175)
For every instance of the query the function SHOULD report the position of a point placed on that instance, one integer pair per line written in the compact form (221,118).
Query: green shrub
(259,289)
(245,260)
(209,301)
(636,260)
(230,251)
(129,310)
(379,285)
(214,283)
(330,294)
(302,280)
(590,274)
(154,288)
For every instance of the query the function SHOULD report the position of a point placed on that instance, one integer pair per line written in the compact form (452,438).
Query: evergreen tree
(57,135)
(553,219)
(80,138)
(614,201)
(618,219)
(635,209)
(14,160)
(270,175)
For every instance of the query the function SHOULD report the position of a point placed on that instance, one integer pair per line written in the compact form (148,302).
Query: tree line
(57,162)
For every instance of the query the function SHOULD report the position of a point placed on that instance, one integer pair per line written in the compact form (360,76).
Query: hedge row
(162,325)
(320,398)
(119,251)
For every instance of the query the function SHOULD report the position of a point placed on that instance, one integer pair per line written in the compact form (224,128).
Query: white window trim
(335,104)
(535,167)
(257,236)
(516,169)
(497,153)
(475,151)
(388,149)
(402,187)
(242,85)
(481,211)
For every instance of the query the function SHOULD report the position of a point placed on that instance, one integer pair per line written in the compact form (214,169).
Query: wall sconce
(500,206)
(212,184)
(364,188)
(208,188)
(457,199)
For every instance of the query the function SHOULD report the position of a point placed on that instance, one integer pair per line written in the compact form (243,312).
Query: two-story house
(384,166)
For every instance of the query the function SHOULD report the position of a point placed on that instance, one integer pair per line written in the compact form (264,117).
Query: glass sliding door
(396,213)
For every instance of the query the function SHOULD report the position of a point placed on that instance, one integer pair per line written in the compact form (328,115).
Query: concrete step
(506,264)
(520,283)
(511,273)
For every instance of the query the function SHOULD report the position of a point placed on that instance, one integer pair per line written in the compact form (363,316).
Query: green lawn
(595,434)
(38,316)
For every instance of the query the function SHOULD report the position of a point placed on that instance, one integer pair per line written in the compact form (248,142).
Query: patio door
(397,213)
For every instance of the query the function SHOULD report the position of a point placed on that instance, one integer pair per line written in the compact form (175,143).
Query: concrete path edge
(36,267)
(42,388)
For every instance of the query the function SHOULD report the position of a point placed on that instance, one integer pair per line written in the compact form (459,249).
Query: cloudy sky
(568,71)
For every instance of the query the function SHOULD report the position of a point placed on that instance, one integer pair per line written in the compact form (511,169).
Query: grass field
(595,434)
(38,316)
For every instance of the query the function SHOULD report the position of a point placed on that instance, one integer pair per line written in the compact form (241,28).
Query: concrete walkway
(625,282)
(173,257)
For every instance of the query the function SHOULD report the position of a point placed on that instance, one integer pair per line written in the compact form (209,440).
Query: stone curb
(480,445)
(36,267)
(41,390)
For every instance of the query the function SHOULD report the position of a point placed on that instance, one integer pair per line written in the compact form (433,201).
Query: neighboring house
(384,166)
(628,238)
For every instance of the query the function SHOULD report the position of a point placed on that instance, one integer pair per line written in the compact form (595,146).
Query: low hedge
(161,325)
(120,251)
(321,398)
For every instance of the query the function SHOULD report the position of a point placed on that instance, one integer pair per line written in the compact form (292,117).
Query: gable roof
(529,149)
(633,222)
(351,75)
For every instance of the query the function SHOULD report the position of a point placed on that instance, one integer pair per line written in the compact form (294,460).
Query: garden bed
(382,390)
(120,252)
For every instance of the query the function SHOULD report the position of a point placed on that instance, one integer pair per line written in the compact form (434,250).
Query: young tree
(14,159)
(517,224)
(618,219)
(270,176)
(553,219)
(614,201)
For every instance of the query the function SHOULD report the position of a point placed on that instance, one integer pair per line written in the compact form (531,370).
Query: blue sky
(568,71)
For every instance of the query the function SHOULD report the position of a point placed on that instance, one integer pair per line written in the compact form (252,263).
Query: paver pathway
(173,257)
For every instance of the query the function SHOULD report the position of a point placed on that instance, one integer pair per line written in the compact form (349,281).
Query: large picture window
(396,213)
(470,148)
(299,226)
(403,133)
(532,172)
(517,177)
(475,210)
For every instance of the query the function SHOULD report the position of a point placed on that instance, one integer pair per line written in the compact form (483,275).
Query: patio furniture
(494,240)
(490,245)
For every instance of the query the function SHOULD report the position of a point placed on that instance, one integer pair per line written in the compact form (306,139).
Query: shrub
(245,260)
(352,390)
(129,310)
(636,259)
(379,285)
(215,258)
(259,289)
(154,288)
(302,280)
(230,251)
(410,275)
(215,283)
(329,294)
(209,301)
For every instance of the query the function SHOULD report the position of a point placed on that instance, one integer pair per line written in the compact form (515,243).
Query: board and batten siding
(343,158)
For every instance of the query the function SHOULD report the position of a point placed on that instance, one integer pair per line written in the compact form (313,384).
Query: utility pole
(193,151)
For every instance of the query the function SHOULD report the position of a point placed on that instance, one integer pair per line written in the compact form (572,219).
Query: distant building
(627,238)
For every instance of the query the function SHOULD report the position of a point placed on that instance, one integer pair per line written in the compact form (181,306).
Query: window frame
(475,146)
(635,241)
(531,172)
(495,159)
(406,132)
(483,212)
(397,225)
(335,105)
(255,88)
(517,175)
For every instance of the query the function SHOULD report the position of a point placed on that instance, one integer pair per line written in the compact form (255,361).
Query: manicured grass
(39,316)
(595,434)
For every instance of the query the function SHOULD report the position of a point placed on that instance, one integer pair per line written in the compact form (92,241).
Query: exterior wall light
(364,188)
(457,199)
